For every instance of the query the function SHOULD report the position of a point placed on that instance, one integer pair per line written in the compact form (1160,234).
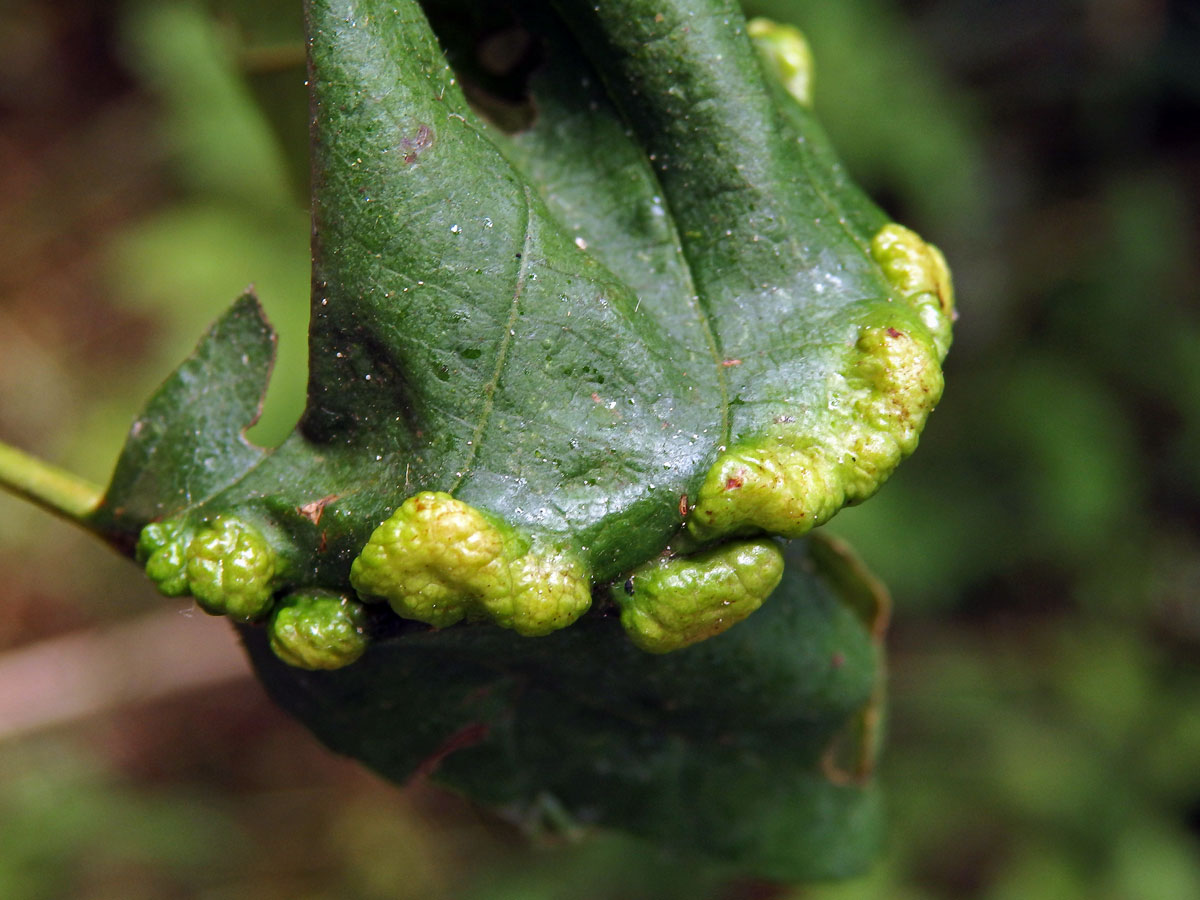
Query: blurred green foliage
(1042,545)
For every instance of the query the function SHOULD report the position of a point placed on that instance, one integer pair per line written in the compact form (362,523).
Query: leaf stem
(54,489)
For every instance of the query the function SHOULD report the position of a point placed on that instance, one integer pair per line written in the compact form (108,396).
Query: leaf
(714,750)
(596,294)
(534,382)
(663,301)
(566,330)
(189,441)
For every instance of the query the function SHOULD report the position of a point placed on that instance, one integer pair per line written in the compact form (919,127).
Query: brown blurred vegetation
(1043,544)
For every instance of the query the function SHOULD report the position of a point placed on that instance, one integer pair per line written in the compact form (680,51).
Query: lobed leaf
(597,317)
(189,442)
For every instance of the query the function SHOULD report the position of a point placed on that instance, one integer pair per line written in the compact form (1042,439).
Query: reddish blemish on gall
(892,332)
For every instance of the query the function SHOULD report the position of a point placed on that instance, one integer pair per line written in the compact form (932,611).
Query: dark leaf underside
(716,751)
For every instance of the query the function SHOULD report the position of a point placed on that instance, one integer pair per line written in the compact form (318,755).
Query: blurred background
(1043,545)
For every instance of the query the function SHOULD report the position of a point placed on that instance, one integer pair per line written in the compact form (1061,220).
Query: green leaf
(595,309)
(716,750)
(189,442)
(662,301)
(535,382)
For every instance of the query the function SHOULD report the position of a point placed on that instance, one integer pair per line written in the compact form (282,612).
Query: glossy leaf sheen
(564,327)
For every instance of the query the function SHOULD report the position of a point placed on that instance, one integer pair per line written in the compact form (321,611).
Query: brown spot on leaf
(731,362)
(683,505)
(413,147)
(314,510)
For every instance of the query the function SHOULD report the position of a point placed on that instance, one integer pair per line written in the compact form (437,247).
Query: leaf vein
(489,390)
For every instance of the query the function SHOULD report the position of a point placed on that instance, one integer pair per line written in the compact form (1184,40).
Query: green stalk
(55,490)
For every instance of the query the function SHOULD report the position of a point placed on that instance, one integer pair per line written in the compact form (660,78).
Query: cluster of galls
(231,570)
(440,561)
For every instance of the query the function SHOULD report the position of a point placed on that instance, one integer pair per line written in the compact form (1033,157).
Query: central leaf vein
(506,339)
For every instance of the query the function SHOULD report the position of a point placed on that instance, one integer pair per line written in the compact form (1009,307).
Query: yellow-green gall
(162,547)
(919,273)
(438,560)
(434,558)
(771,486)
(673,603)
(797,472)
(550,591)
(795,476)
(786,53)
(318,630)
(230,569)
(904,381)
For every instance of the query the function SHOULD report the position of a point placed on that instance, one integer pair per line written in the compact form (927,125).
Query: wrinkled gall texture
(584,347)
(439,561)
(162,548)
(672,603)
(318,630)
(230,568)
(227,565)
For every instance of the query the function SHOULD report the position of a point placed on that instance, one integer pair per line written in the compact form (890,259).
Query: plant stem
(50,487)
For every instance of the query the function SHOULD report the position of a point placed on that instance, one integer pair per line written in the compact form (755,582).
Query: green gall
(162,548)
(903,383)
(769,486)
(318,630)
(785,52)
(155,537)
(673,603)
(919,273)
(230,569)
(550,591)
(793,477)
(800,471)
(438,560)
(433,558)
